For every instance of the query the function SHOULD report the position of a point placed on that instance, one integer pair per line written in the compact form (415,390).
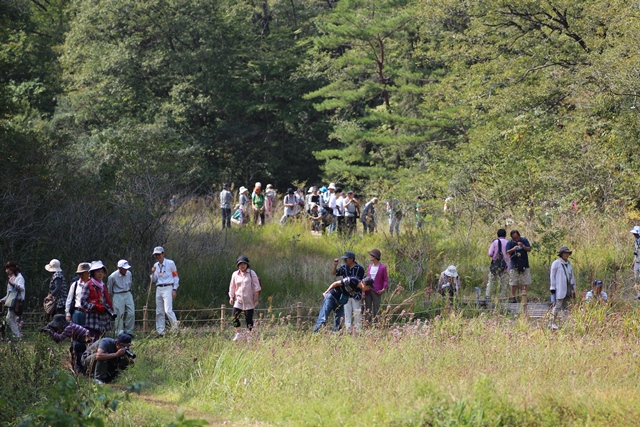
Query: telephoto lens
(130,354)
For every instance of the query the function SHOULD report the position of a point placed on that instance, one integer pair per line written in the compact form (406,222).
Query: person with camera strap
(518,249)
(96,303)
(106,358)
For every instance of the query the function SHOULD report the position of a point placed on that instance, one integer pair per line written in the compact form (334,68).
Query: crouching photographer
(60,329)
(106,358)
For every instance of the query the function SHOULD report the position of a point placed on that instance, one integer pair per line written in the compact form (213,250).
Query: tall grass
(451,371)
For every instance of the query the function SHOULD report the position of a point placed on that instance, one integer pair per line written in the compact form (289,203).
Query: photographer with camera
(96,302)
(518,249)
(105,358)
(60,329)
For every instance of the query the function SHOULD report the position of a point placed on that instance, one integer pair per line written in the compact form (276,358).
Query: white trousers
(164,306)
(353,308)
(12,319)
(124,308)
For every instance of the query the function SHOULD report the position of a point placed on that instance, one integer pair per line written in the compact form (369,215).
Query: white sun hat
(635,230)
(451,271)
(53,266)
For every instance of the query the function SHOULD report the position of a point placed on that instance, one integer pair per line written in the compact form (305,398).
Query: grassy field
(487,370)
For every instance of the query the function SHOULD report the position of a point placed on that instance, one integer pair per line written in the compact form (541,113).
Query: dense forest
(110,107)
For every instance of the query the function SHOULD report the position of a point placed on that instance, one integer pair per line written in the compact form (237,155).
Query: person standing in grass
(291,205)
(245,204)
(596,293)
(380,276)
(96,302)
(368,216)
(15,285)
(119,286)
(563,282)
(449,282)
(499,268)
(257,201)
(225,205)
(518,249)
(58,289)
(244,290)
(635,264)
(353,306)
(165,275)
(269,201)
(336,296)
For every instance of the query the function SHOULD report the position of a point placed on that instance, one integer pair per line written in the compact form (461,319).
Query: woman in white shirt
(15,284)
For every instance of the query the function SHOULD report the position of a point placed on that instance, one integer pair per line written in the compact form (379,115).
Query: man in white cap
(119,287)
(635,265)
(165,275)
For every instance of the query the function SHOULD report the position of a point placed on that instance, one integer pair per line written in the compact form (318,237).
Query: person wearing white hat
(165,275)
(96,302)
(449,282)
(119,287)
(58,289)
(635,264)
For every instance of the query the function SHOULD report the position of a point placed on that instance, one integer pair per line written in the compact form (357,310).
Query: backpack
(498,266)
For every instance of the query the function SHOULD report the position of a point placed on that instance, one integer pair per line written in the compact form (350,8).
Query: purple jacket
(382,277)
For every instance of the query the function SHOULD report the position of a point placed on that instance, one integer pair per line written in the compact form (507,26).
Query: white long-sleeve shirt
(166,273)
(76,287)
(16,283)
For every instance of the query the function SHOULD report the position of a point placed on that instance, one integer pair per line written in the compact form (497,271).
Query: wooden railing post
(145,320)
(222,310)
(299,315)
(524,301)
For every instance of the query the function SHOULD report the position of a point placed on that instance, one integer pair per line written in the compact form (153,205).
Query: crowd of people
(328,208)
(85,310)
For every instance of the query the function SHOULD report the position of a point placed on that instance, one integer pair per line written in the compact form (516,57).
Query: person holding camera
(96,303)
(106,358)
(518,249)
(60,329)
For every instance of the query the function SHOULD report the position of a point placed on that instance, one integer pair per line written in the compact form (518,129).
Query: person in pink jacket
(378,272)
(244,290)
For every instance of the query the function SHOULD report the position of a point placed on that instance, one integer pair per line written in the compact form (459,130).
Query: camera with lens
(130,354)
(46,329)
(112,314)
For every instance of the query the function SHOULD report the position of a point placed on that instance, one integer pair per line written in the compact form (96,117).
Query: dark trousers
(78,347)
(248,316)
(226,217)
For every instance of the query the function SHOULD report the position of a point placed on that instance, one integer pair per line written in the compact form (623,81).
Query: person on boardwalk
(335,298)
(226,197)
(449,282)
(165,276)
(16,290)
(119,286)
(96,302)
(563,282)
(518,249)
(107,357)
(380,276)
(353,306)
(596,293)
(60,329)
(57,286)
(499,267)
(244,291)
(635,264)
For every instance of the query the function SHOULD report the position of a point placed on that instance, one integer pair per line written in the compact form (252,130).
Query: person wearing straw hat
(635,264)
(244,291)
(165,275)
(563,282)
(119,286)
(73,308)
(96,302)
(60,329)
(449,282)
(58,289)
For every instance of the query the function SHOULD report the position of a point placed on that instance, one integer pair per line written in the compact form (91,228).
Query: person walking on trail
(335,298)
(165,276)
(226,197)
(368,216)
(499,267)
(58,289)
(596,293)
(449,282)
(353,306)
(60,329)
(244,292)
(119,286)
(16,291)
(635,264)
(380,276)
(563,282)
(257,202)
(518,249)
(96,302)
